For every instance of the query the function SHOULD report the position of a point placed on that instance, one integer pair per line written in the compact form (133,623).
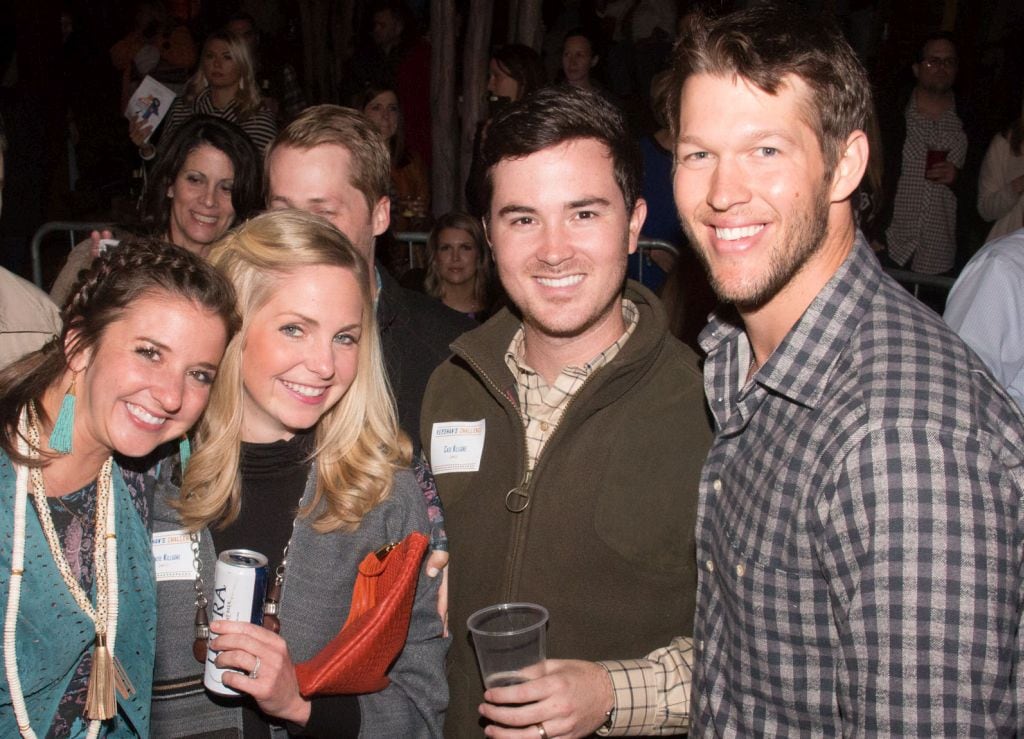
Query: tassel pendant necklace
(105,674)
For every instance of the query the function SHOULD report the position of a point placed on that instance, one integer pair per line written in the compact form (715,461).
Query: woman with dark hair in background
(224,86)
(459,265)
(515,71)
(144,333)
(206,179)
(581,55)
(410,180)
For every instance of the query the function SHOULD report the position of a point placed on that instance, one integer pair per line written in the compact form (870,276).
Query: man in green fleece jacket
(567,434)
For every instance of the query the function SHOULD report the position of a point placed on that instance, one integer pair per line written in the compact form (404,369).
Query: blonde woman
(300,458)
(459,265)
(224,86)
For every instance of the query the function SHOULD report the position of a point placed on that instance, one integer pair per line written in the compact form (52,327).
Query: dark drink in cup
(934,156)
(503,680)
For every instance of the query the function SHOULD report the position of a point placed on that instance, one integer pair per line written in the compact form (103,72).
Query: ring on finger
(542,731)
(255,671)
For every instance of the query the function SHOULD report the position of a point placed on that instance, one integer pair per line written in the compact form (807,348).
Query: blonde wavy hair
(248,96)
(358,442)
(433,285)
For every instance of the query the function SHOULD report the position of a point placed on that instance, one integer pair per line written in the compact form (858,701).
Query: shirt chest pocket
(760,553)
(779,628)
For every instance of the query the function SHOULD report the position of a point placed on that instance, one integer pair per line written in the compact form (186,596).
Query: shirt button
(700,645)
(717,485)
(740,569)
(544,426)
(710,565)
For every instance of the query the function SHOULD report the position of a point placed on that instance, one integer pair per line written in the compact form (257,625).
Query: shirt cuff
(330,715)
(652,695)
(635,698)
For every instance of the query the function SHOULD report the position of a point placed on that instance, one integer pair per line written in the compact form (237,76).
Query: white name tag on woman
(172,555)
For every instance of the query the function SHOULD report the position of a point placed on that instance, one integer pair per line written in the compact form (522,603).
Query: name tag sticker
(456,446)
(172,554)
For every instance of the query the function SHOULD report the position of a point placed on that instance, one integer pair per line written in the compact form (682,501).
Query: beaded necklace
(100,702)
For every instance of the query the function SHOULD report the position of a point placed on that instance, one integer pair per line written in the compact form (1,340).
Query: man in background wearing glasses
(926,153)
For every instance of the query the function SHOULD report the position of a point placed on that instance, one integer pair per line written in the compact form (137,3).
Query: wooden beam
(475,59)
(444,114)
(528,27)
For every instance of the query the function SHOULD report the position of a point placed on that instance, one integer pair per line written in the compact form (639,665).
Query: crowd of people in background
(933,195)
(652,369)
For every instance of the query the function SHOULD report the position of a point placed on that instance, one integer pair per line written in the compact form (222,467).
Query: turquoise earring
(184,452)
(63,428)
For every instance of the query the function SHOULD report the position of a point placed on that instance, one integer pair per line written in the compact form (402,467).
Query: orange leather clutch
(358,658)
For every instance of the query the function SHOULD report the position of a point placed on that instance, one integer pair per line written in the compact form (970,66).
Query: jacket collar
(484,349)
(388,299)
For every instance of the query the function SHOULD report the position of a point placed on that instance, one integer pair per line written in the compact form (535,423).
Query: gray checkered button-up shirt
(860,530)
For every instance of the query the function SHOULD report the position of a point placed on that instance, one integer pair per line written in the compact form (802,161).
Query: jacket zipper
(527,476)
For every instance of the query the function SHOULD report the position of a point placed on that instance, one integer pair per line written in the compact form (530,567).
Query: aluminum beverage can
(239,588)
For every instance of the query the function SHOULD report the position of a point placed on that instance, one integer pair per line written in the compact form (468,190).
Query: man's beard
(936,89)
(791,250)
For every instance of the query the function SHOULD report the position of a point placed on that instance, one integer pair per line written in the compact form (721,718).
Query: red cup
(935,156)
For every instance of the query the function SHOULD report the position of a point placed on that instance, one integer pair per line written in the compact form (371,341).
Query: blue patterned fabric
(53,633)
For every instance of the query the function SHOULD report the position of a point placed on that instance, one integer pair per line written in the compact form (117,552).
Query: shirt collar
(800,366)
(515,354)
(206,99)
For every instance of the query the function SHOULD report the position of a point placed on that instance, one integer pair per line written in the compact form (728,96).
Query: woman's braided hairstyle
(137,268)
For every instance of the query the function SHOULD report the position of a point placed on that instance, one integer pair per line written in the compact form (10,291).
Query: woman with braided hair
(144,332)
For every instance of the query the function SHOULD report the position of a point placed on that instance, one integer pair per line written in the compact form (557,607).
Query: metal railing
(914,281)
(419,238)
(652,245)
(72,227)
(411,239)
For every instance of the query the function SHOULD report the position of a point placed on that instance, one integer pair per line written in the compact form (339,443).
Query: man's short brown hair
(331,124)
(766,44)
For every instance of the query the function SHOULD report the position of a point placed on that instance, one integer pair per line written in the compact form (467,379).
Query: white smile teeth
(140,413)
(743,232)
(304,390)
(208,220)
(560,281)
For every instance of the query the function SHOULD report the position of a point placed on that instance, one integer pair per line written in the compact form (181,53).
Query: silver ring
(255,671)
(540,730)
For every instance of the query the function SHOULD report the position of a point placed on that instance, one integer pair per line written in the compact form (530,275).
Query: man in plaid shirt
(926,149)
(859,534)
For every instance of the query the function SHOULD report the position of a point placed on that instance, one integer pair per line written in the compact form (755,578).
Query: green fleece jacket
(607,541)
